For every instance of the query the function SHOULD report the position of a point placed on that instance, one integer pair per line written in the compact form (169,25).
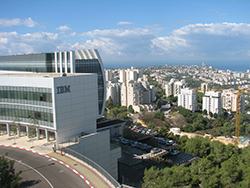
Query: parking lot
(133,162)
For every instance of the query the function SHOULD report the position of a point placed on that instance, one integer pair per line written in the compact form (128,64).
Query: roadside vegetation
(8,176)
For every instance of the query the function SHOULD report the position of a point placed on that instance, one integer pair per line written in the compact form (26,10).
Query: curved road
(41,172)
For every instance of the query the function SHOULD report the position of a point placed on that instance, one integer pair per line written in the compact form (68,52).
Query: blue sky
(146,32)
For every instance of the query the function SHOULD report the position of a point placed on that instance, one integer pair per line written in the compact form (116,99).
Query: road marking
(32,169)
(51,158)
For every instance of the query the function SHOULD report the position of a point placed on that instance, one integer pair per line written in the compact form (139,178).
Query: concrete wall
(75,111)
(96,147)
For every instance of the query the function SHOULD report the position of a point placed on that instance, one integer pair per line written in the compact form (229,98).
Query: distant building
(108,75)
(135,91)
(212,102)
(204,87)
(114,91)
(174,87)
(187,99)
(152,87)
(229,100)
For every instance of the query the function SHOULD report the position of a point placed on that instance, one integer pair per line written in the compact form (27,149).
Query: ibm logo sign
(63,89)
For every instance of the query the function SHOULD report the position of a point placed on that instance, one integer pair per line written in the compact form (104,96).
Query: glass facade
(93,66)
(90,62)
(27,63)
(26,103)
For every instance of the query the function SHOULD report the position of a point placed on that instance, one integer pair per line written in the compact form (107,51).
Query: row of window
(26,95)
(26,114)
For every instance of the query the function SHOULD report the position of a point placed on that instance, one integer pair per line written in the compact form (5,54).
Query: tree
(130,109)
(16,128)
(199,98)
(159,115)
(8,177)
(211,114)
(32,129)
(109,103)
(204,112)
(172,99)
(159,103)
(163,132)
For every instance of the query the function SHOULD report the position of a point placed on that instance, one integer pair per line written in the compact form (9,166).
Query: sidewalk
(44,147)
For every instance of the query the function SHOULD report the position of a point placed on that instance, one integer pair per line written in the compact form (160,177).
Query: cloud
(64,29)
(193,41)
(125,23)
(122,42)
(14,43)
(216,39)
(5,22)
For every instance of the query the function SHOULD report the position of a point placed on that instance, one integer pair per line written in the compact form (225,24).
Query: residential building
(204,87)
(174,87)
(134,90)
(229,100)
(108,74)
(212,102)
(114,91)
(187,99)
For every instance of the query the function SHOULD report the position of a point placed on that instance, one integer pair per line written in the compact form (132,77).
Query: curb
(54,159)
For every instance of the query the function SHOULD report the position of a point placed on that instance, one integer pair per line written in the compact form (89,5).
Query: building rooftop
(32,74)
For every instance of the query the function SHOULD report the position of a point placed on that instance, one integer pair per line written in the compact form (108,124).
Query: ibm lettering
(63,89)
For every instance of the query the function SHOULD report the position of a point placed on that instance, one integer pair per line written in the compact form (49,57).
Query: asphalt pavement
(36,169)
(51,164)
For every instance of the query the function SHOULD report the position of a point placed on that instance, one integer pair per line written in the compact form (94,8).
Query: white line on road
(32,169)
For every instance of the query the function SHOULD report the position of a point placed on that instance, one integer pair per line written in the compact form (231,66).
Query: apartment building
(212,102)
(187,99)
(229,100)
(174,87)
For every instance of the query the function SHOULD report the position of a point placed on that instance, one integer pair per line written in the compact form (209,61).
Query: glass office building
(26,102)
(80,61)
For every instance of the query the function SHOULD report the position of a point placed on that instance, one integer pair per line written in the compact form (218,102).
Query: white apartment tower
(114,91)
(212,102)
(187,99)
(174,87)
(134,90)
(108,75)
(229,100)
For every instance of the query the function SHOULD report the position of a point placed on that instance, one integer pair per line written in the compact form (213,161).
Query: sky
(131,32)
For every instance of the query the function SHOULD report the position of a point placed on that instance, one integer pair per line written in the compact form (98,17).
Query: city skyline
(143,32)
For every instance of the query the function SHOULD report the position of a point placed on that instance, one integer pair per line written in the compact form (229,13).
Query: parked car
(147,148)
(161,140)
(168,144)
(134,144)
(155,150)
(171,141)
(174,152)
(143,146)
(124,141)
(139,145)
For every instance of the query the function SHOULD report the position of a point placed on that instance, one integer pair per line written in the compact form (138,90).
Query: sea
(235,66)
